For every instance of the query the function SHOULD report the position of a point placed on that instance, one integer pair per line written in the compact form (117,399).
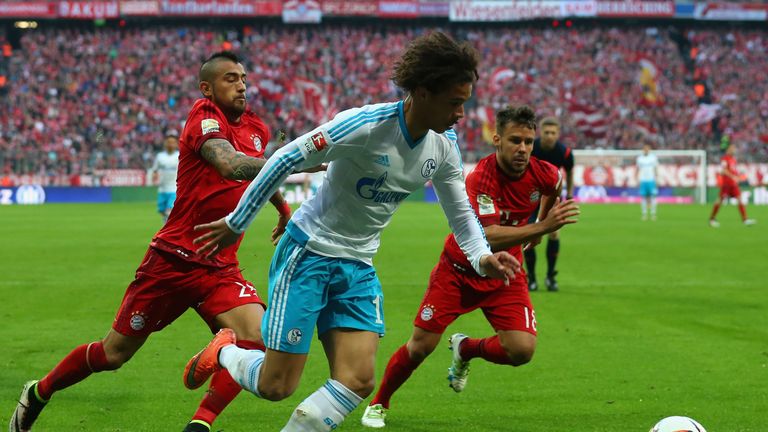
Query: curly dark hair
(207,70)
(521,115)
(434,62)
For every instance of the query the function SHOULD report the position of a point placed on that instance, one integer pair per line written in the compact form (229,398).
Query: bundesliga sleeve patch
(209,126)
(315,143)
(485,205)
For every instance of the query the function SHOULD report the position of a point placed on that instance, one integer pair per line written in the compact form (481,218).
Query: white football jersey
(646,166)
(374,165)
(166,165)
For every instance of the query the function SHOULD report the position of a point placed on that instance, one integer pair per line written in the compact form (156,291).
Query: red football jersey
(728,164)
(202,194)
(500,200)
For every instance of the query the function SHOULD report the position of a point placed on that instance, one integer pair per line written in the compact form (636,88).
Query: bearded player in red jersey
(504,189)
(729,176)
(221,149)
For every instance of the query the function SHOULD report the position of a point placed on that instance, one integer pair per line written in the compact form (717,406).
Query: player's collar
(404,129)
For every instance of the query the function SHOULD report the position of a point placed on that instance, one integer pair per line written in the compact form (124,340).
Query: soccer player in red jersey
(504,189)
(729,187)
(221,149)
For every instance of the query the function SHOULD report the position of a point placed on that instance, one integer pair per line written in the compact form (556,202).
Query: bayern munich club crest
(294,336)
(138,321)
(535,196)
(427,312)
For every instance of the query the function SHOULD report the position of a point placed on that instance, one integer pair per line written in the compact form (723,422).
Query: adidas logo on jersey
(383,160)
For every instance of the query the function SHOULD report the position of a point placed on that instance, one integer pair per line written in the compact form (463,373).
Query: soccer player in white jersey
(647,163)
(322,274)
(164,173)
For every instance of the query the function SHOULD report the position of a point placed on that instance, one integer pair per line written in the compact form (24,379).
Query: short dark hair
(522,115)
(550,121)
(435,61)
(206,69)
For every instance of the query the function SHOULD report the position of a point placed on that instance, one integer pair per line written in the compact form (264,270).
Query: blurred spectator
(83,100)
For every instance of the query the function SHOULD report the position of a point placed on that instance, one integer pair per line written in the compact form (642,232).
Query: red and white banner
(636,8)
(302,11)
(686,175)
(350,8)
(398,9)
(589,121)
(705,113)
(89,9)
(139,8)
(28,9)
(501,75)
(122,177)
(314,100)
(207,8)
(731,11)
(519,10)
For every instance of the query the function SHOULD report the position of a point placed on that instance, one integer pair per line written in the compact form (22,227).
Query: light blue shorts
(308,290)
(165,201)
(648,189)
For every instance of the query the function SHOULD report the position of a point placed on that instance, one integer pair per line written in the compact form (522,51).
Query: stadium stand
(82,99)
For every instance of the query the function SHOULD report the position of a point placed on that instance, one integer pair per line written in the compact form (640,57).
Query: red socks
(743,212)
(714,210)
(222,390)
(489,349)
(399,369)
(75,367)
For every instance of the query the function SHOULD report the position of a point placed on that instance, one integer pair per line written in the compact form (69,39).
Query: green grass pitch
(653,319)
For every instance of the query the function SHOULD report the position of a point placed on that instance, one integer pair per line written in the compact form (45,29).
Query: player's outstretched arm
(230,163)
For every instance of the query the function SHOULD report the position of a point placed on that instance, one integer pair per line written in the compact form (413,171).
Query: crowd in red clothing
(80,100)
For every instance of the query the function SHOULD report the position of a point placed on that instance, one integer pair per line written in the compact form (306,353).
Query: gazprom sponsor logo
(371,189)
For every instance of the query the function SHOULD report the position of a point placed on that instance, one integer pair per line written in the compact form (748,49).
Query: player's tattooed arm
(229,162)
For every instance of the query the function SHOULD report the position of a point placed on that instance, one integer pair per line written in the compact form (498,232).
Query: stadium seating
(77,100)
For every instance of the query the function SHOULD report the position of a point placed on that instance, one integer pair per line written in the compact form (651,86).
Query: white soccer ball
(678,424)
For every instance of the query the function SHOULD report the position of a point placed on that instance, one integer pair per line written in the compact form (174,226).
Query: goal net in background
(610,176)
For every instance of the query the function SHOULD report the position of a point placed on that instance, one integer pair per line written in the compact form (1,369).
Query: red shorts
(730,190)
(166,286)
(450,294)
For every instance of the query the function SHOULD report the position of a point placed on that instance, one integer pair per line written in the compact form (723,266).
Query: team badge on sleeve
(315,143)
(209,126)
(485,205)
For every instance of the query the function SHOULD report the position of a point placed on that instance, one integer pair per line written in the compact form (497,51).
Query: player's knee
(418,351)
(519,353)
(361,386)
(554,235)
(360,382)
(276,391)
(116,358)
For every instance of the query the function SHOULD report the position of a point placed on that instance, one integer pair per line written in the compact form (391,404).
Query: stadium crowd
(80,100)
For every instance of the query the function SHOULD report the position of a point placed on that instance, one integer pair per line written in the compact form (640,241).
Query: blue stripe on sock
(340,398)
(253,376)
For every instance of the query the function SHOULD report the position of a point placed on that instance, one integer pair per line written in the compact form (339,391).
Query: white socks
(244,366)
(323,410)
